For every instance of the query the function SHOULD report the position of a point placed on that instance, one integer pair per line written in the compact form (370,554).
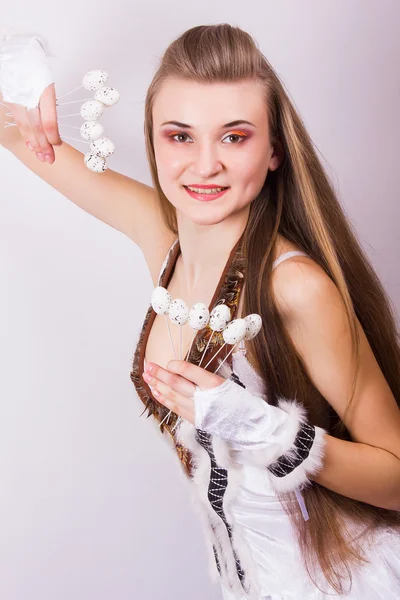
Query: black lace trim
(285,464)
(216,491)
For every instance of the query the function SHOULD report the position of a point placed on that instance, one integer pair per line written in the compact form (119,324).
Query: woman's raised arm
(27,92)
(123,203)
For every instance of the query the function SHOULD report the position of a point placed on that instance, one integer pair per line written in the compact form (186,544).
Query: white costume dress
(266,543)
(253,552)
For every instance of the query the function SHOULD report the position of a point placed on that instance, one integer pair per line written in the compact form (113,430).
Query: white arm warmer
(279,439)
(24,68)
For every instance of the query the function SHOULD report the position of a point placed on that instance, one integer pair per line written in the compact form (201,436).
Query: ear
(276,156)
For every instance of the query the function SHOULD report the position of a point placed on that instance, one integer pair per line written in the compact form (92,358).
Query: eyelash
(241,136)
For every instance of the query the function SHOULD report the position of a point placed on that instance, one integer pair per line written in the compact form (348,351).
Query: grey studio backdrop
(93,504)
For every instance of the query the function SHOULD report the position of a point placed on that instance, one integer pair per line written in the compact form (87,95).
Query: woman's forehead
(193,102)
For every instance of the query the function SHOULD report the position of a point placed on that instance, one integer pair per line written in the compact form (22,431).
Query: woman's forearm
(361,472)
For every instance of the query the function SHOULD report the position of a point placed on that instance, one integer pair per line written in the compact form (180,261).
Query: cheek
(168,162)
(169,172)
(250,173)
(168,168)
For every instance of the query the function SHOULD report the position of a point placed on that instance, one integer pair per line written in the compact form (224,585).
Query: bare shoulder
(299,281)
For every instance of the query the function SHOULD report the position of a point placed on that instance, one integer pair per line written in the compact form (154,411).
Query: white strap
(286,255)
(166,260)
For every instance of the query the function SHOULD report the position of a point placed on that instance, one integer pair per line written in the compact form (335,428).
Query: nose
(207,161)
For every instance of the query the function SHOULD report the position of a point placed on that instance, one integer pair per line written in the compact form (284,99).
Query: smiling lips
(205,195)
(205,186)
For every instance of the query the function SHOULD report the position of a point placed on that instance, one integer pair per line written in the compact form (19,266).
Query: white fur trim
(235,477)
(201,467)
(214,527)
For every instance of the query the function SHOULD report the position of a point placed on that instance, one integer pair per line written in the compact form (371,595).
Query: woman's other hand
(174,387)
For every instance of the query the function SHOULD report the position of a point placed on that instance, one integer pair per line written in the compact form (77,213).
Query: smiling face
(219,137)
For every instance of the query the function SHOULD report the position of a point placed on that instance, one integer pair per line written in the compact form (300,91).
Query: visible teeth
(205,191)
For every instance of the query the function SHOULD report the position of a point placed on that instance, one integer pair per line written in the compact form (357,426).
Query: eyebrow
(226,126)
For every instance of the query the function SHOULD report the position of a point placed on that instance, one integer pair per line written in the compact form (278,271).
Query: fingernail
(47,158)
(29,145)
(149,367)
(40,156)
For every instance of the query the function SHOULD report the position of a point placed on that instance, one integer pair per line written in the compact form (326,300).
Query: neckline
(164,280)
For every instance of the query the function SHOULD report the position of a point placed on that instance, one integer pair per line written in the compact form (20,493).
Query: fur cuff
(304,460)
(302,448)
(276,438)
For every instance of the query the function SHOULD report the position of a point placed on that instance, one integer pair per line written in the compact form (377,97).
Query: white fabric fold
(25,71)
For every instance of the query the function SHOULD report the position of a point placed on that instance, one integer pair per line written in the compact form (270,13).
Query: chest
(167,341)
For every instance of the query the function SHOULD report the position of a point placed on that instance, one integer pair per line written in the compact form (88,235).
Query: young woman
(312,402)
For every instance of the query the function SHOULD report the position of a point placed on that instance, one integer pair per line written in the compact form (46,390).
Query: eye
(174,135)
(237,135)
(240,137)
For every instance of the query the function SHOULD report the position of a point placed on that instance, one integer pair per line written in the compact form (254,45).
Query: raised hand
(38,126)
(27,90)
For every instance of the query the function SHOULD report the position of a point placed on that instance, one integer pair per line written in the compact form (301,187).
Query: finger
(36,122)
(174,398)
(180,405)
(176,382)
(21,117)
(48,111)
(199,376)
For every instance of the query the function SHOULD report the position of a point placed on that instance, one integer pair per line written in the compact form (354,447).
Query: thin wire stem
(170,336)
(229,353)
(71,92)
(215,355)
(167,415)
(73,101)
(205,349)
(188,353)
(179,419)
(68,137)
(65,116)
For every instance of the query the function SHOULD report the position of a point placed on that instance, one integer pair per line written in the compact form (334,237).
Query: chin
(208,217)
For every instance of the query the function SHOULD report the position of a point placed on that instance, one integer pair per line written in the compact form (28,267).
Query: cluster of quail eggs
(198,317)
(91,130)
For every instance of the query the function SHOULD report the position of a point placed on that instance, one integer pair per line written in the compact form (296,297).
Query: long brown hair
(298,201)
